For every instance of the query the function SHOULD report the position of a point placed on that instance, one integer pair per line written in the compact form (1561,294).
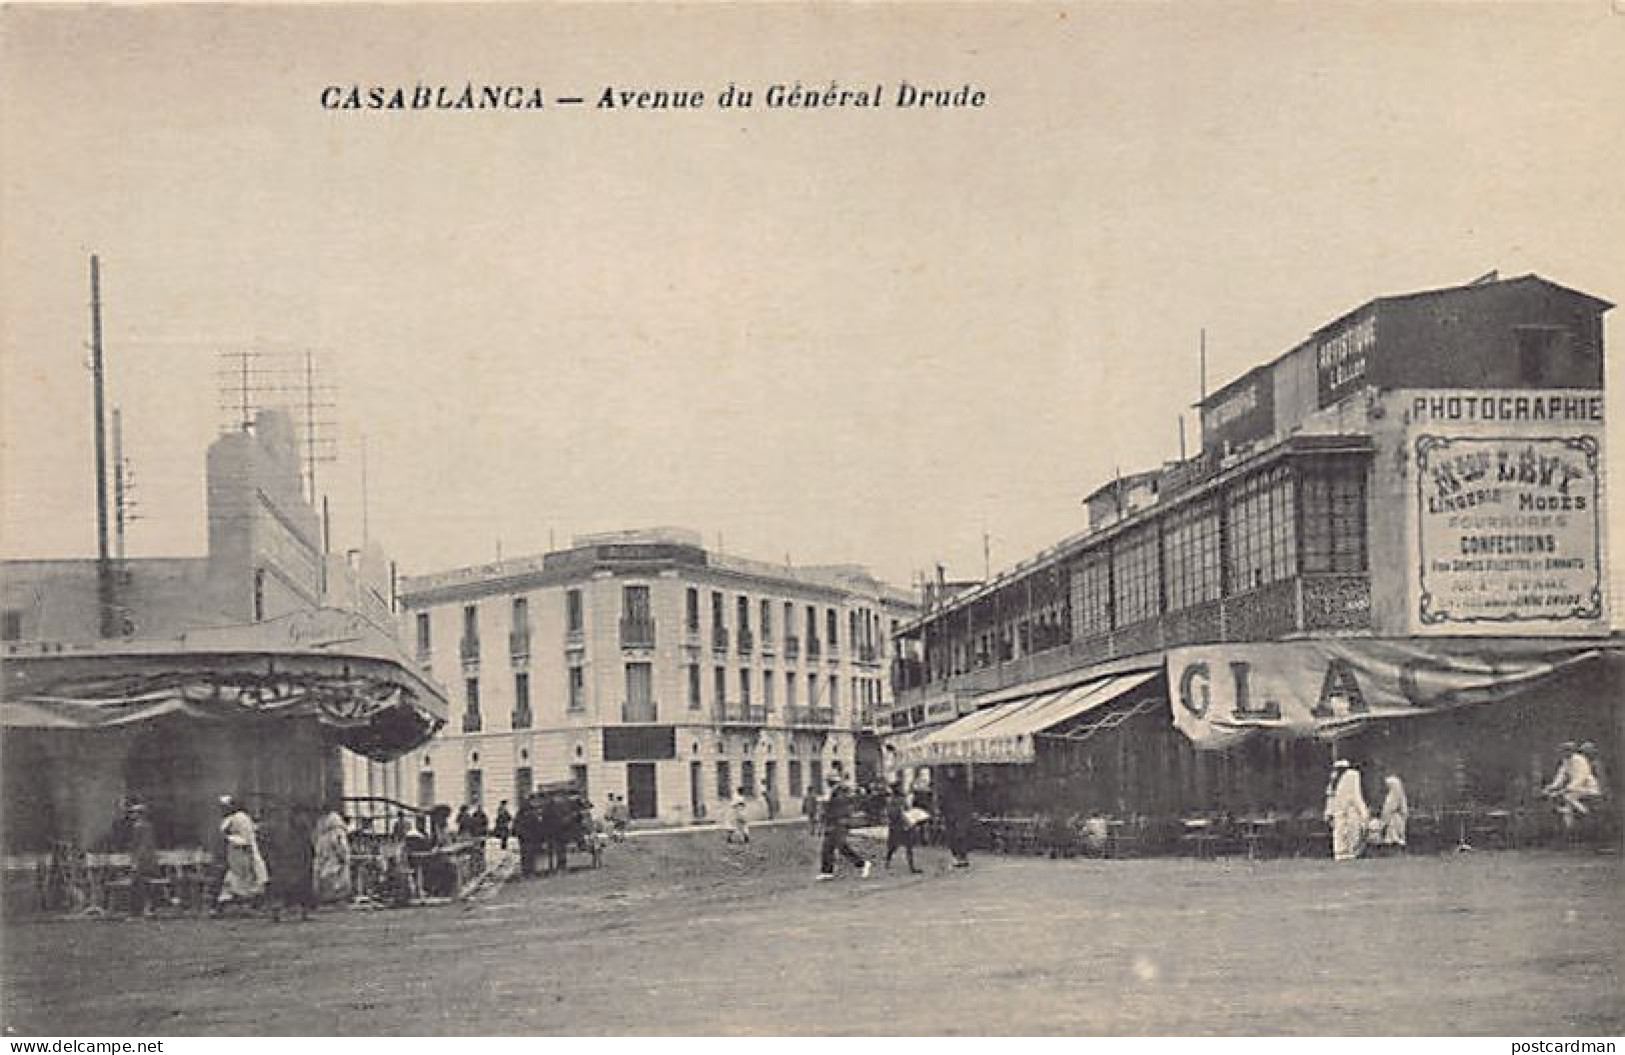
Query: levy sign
(1221,694)
(1506,511)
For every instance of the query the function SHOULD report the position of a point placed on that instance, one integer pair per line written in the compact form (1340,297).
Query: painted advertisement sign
(1342,358)
(1507,511)
(1222,694)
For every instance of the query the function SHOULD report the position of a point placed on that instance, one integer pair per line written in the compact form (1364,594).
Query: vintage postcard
(806,519)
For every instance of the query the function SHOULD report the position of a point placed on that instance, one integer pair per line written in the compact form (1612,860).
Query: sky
(829,336)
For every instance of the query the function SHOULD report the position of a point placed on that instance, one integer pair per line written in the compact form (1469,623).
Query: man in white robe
(1346,811)
(1396,812)
(246,874)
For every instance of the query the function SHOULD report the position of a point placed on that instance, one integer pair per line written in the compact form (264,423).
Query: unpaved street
(681,934)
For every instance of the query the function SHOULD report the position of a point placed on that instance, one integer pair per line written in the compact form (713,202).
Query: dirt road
(682,934)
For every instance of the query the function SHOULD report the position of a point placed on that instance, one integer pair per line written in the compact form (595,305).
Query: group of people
(1353,827)
(309,859)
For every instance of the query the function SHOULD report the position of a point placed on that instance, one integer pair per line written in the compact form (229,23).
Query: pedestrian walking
(770,797)
(479,824)
(1395,814)
(332,849)
(1346,811)
(899,827)
(465,823)
(504,824)
(738,823)
(958,819)
(837,816)
(245,874)
(809,809)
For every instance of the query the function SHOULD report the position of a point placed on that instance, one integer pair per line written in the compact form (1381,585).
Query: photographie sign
(1507,508)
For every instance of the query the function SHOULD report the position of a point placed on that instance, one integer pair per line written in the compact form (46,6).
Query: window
(767,621)
(472,722)
(832,626)
(572,611)
(1092,594)
(523,780)
(812,690)
(521,617)
(11,625)
(725,790)
(423,634)
(795,777)
(834,692)
(426,789)
(744,686)
(1191,546)
(812,624)
(742,610)
(719,687)
(521,701)
(577,689)
(473,786)
(693,686)
(1263,545)
(692,610)
(635,604)
(789,621)
(1137,578)
(578,776)
(815,775)
(640,703)
(471,623)
(716,610)
(789,689)
(767,690)
(1334,518)
(747,778)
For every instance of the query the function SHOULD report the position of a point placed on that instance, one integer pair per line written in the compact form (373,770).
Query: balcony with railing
(468,649)
(747,642)
(472,721)
(637,633)
(522,718)
(767,642)
(834,650)
(814,648)
(719,639)
(740,714)
(519,643)
(868,654)
(644,712)
(1309,603)
(792,647)
(691,634)
(813,716)
(425,657)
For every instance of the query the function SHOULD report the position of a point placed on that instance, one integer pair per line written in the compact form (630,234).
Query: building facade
(267,668)
(1393,537)
(643,665)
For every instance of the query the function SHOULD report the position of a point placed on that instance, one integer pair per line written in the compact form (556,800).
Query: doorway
(640,790)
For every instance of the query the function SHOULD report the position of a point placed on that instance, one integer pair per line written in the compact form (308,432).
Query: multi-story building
(643,665)
(1392,542)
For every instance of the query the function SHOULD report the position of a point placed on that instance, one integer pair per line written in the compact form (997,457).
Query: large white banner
(1221,694)
(1506,512)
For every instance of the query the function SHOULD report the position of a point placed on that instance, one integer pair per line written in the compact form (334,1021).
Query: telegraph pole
(104,568)
(118,485)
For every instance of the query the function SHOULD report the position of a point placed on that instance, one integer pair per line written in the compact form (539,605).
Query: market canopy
(1328,688)
(324,664)
(1004,733)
